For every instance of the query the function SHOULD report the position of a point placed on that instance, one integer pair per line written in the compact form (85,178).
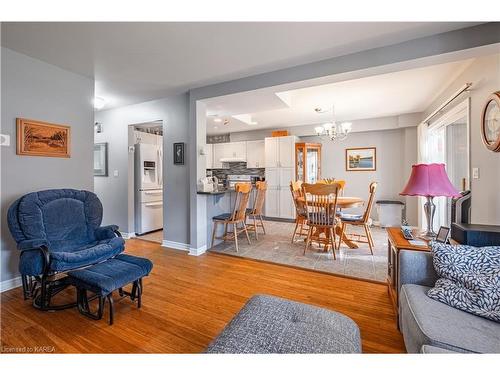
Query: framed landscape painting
(37,138)
(361,159)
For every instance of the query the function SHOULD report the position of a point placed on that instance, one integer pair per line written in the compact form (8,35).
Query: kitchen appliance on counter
(148,187)
(208,184)
(233,179)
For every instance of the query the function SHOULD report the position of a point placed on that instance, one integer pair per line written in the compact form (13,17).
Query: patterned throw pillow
(469,278)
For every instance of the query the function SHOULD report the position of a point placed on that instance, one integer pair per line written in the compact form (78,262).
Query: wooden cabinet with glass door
(308,162)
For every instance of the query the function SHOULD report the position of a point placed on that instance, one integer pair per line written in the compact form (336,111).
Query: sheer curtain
(422,158)
(446,140)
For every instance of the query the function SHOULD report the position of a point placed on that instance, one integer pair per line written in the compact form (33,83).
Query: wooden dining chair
(301,228)
(255,213)
(321,209)
(237,217)
(362,220)
(331,180)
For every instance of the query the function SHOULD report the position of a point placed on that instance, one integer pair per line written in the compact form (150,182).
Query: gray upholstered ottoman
(269,324)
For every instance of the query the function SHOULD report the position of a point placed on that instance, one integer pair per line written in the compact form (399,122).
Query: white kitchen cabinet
(255,154)
(287,208)
(209,156)
(272,201)
(237,150)
(228,151)
(286,152)
(220,151)
(278,198)
(280,152)
(271,151)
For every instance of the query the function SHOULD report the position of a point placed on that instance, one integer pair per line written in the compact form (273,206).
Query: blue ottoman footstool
(268,324)
(104,278)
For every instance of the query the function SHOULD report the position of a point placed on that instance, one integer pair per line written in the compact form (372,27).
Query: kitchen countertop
(216,192)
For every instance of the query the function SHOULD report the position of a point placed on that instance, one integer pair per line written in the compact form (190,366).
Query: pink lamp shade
(429,180)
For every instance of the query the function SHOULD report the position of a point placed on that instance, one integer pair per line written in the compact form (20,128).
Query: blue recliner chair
(57,231)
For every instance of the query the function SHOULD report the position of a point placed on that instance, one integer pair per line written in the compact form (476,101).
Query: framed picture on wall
(101,159)
(179,153)
(38,138)
(361,159)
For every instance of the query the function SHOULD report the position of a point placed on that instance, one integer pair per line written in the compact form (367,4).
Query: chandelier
(332,130)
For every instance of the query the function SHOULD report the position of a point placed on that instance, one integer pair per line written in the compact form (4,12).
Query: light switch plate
(115,173)
(131,149)
(4,140)
(475,173)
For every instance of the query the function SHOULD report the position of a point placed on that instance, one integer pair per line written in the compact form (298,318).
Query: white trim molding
(10,284)
(199,251)
(175,245)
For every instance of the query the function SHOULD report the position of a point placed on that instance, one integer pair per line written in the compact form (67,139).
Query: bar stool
(255,213)
(237,217)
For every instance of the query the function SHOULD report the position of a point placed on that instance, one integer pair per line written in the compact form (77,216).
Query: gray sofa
(429,326)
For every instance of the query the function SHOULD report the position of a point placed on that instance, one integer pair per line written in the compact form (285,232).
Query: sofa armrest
(107,232)
(415,267)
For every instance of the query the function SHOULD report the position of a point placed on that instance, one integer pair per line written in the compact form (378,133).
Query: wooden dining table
(344,202)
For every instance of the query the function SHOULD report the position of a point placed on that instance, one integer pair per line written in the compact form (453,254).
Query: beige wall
(484,73)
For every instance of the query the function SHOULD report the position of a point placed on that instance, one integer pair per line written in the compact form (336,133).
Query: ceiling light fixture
(217,119)
(332,130)
(99,103)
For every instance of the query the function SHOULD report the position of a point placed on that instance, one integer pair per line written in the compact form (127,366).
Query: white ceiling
(397,93)
(135,62)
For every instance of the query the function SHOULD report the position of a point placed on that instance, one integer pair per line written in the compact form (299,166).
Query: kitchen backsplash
(237,168)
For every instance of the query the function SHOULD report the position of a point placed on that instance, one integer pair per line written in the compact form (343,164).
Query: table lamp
(429,181)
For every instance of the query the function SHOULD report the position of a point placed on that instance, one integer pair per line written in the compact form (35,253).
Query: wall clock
(490,122)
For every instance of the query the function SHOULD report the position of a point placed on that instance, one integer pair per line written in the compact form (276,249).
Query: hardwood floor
(187,301)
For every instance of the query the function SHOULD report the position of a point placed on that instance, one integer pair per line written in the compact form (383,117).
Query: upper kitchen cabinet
(280,152)
(229,152)
(255,154)
(209,156)
(308,162)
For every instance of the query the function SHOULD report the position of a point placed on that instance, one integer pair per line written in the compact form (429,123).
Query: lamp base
(429,209)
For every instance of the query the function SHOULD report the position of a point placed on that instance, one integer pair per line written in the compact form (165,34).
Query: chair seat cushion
(225,216)
(32,262)
(425,321)
(351,217)
(268,324)
(321,220)
(88,254)
(105,277)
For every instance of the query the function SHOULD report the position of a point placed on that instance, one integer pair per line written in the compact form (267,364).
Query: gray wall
(114,192)
(484,73)
(36,90)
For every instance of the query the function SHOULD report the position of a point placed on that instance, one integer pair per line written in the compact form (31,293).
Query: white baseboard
(128,236)
(10,284)
(197,251)
(184,247)
(175,245)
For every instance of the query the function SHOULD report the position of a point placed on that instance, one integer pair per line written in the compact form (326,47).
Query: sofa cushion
(469,278)
(268,324)
(425,321)
(429,349)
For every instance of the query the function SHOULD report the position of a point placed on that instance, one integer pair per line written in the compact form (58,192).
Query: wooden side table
(396,243)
